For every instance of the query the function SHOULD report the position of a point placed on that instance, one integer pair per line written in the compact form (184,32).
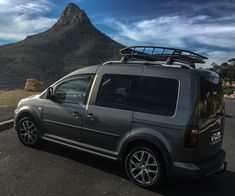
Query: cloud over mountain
(22,18)
(198,25)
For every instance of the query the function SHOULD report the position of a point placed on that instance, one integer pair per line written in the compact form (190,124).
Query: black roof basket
(157,53)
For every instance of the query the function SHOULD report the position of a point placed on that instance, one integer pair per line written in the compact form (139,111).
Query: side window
(118,91)
(158,96)
(73,91)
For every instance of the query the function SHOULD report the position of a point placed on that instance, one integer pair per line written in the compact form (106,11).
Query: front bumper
(213,165)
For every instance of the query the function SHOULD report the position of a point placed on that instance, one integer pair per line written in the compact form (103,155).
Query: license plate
(215,137)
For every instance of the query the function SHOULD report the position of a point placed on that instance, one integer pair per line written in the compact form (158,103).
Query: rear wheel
(28,132)
(144,166)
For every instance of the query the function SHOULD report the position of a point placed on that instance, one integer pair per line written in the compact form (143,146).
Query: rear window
(158,96)
(211,98)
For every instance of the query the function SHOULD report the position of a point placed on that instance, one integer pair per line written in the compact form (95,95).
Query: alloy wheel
(144,167)
(28,132)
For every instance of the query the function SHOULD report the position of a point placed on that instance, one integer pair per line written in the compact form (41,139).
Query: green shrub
(228,90)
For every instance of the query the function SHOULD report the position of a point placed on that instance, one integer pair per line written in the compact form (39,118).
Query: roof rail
(112,62)
(149,63)
(158,53)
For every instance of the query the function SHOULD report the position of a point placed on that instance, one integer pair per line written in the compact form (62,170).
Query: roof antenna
(124,59)
(169,61)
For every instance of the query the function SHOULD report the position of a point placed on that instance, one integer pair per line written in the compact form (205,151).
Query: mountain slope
(71,43)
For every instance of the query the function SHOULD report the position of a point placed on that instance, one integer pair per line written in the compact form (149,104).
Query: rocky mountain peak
(72,14)
(72,43)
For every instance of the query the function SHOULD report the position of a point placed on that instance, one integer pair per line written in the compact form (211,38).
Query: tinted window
(73,91)
(118,91)
(158,96)
(211,100)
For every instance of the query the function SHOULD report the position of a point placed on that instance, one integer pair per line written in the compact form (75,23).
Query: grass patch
(12,97)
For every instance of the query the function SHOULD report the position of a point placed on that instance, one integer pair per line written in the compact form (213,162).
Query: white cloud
(21,26)
(23,17)
(176,30)
(2,2)
(179,31)
(219,56)
(24,6)
(34,7)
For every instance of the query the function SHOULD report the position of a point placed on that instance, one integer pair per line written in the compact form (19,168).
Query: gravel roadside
(6,113)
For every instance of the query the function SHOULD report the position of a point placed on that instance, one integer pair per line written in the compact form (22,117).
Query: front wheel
(144,167)
(28,132)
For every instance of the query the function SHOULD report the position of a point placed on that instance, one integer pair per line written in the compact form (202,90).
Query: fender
(36,114)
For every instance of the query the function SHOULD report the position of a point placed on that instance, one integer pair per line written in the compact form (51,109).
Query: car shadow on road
(216,184)
(83,158)
(213,185)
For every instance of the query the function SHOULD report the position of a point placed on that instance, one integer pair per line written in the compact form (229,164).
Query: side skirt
(79,146)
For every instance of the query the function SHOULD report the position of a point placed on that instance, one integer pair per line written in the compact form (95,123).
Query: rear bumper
(213,165)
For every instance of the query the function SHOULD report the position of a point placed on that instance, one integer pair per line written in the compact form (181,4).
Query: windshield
(211,99)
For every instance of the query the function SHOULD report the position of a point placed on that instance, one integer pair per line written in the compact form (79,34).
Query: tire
(28,132)
(144,166)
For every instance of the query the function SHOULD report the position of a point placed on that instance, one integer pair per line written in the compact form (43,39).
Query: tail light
(191,136)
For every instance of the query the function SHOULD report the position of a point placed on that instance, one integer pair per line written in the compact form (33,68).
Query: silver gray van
(152,110)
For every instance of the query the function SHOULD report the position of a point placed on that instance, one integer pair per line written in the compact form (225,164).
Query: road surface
(55,170)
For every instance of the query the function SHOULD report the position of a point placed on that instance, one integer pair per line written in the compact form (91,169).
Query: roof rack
(165,54)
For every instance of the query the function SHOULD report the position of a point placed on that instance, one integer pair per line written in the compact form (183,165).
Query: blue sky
(204,26)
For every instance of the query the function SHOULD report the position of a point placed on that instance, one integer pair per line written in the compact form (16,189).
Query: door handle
(91,116)
(76,114)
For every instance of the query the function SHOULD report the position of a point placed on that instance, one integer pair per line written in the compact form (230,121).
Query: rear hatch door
(211,117)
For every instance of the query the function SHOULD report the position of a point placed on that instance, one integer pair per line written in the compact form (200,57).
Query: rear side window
(158,96)
(118,91)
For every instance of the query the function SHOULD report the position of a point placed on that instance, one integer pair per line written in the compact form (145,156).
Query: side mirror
(50,93)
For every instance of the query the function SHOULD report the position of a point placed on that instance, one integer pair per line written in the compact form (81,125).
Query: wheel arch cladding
(146,139)
(27,112)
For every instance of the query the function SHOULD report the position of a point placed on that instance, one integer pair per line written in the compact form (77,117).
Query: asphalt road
(55,170)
